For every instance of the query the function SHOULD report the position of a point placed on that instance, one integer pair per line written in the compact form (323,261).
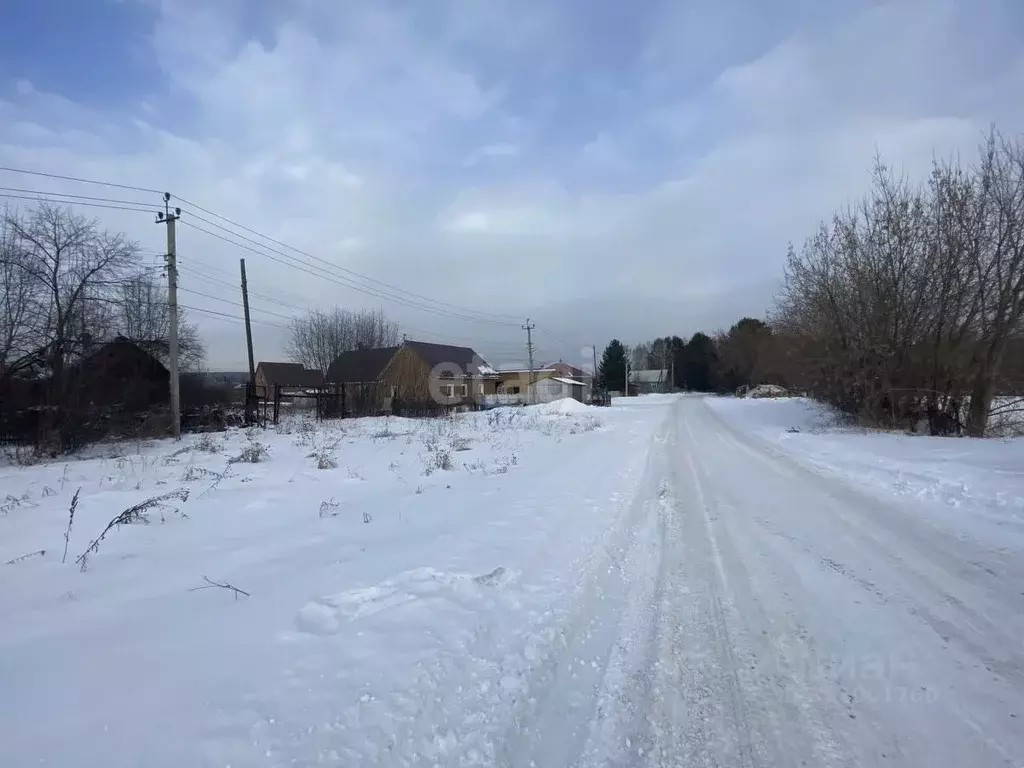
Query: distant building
(273,379)
(647,381)
(520,386)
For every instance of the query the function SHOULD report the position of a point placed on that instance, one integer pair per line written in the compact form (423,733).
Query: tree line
(724,362)
(904,308)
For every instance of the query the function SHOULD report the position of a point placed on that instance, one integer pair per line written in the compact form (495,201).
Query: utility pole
(529,350)
(250,391)
(168,218)
(248,325)
(593,378)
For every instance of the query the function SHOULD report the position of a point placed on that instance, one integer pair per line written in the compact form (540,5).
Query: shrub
(207,443)
(443,459)
(253,453)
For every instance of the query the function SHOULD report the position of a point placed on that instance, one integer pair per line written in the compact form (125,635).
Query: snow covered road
(670,589)
(769,616)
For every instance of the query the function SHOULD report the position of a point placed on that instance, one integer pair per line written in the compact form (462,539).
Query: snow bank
(956,472)
(566,405)
(396,598)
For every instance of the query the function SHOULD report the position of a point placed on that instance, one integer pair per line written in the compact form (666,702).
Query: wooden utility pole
(250,390)
(529,351)
(593,377)
(248,325)
(168,218)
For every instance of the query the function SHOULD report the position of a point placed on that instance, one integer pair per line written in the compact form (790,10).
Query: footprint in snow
(329,614)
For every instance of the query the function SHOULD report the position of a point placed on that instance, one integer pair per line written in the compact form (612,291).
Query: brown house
(120,374)
(273,379)
(416,376)
(110,389)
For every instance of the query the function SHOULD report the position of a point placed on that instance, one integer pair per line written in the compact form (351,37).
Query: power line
(329,264)
(67,198)
(302,266)
(233,318)
(234,303)
(196,273)
(346,282)
(68,194)
(80,180)
(76,202)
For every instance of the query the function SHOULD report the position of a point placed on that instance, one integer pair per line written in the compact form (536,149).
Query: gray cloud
(490,160)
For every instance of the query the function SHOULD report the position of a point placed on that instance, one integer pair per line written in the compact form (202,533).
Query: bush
(253,453)
(207,443)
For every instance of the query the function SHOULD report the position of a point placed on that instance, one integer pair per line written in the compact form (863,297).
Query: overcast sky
(606,168)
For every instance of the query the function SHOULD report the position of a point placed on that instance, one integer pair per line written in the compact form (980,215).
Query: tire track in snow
(696,714)
(577,696)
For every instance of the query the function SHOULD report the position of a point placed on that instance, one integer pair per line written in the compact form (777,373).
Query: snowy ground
(665,582)
(377,588)
(987,476)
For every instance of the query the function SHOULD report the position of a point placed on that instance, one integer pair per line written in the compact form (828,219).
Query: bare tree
(319,337)
(142,316)
(70,264)
(17,298)
(904,306)
(997,260)
(639,355)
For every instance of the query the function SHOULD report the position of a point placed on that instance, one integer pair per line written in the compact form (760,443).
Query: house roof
(360,365)
(653,376)
(573,382)
(119,349)
(464,358)
(568,370)
(289,375)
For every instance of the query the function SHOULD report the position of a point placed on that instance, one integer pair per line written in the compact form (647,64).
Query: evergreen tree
(612,370)
(700,362)
(745,354)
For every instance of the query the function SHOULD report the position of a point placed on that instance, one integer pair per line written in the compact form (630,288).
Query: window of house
(513,390)
(464,390)
(479,389)
(446,390)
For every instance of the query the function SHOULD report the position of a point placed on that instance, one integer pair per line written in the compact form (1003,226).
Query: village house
(414,376)
(114,386)
(543,385)
(644,382)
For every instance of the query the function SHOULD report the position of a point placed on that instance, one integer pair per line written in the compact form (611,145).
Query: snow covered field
(397,601)
(670,581)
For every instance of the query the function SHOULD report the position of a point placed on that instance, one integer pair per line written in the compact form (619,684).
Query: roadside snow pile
(357,592)
(565,406)
(954,471)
